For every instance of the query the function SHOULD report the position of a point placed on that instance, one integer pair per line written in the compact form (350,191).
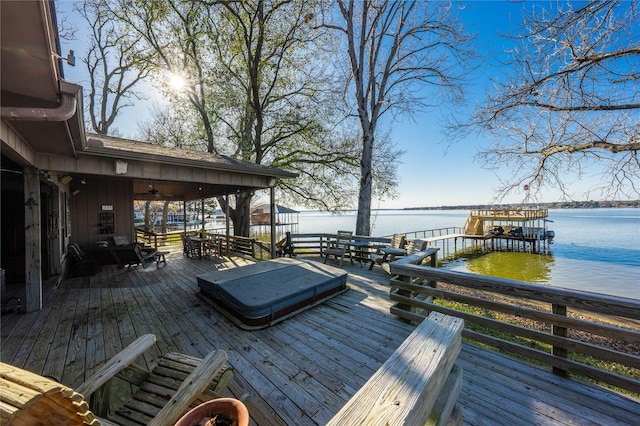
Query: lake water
(595,250)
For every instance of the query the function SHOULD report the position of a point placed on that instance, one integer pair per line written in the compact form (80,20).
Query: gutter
(62,112)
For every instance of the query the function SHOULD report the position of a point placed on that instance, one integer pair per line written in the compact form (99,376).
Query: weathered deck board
(298,372)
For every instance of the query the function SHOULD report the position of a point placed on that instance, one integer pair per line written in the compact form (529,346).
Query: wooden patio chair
(192,249)
(161,397)
(211,246)
(285,246)
(185,246)
(398,241)
(416,246)
(339,247)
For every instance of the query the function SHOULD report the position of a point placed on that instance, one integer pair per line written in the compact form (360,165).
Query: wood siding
(86,208)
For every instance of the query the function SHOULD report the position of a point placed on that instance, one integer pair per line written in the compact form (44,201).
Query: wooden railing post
(559,331)
(405,293)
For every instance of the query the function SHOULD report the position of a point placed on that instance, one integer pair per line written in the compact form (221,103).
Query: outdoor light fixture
(120,167)
(65,179)
(83,181)
(71,58)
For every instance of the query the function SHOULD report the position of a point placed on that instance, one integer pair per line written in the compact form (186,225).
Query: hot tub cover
(259,295)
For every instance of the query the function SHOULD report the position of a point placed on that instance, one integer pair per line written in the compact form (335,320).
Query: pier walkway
(298,372)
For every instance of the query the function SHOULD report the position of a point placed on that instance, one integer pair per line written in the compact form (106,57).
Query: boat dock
(493,230)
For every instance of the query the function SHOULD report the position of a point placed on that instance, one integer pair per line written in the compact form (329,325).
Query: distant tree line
(553,205)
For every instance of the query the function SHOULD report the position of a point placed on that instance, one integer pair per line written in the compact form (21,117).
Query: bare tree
(571,100)
(115,62)
(396,51)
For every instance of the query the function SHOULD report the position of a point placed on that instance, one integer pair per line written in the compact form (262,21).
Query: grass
(617,368)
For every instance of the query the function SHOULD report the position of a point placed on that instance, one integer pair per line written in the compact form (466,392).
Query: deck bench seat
(419,383)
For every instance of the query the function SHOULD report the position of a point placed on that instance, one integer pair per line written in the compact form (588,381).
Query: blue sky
(433,171)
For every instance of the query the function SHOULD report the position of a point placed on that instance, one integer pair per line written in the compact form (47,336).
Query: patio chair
(191,248)
(81,263)
(285,247)
(211,246)
(398,242)
(416,246)
(161,397)
(339,247)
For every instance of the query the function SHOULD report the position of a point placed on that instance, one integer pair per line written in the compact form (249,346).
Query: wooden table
(357,250)
(200,241)
(388,255)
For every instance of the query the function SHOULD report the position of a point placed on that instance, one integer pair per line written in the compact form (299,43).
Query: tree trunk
(165,216)
(363,221)
(147,216)
(242,219)
(240,216)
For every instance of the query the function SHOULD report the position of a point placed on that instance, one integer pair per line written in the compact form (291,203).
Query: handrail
(550,319)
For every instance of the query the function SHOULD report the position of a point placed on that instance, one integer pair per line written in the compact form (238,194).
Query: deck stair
(475,225)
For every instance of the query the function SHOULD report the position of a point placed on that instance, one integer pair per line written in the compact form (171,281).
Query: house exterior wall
(14,146)
(87,206)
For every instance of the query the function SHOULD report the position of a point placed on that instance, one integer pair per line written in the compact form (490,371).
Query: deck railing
(236,245)
(314,244)
(157,240)
(569,330)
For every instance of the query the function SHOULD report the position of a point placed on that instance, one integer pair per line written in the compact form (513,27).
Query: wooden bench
(419,384)
(160,258)
(124,253)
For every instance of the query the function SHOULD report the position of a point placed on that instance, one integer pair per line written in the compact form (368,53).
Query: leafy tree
(115,63)
(571,99)
(254,78)
(395,50)
(172,127)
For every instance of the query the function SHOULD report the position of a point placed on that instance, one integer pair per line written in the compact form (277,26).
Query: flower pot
(229,409)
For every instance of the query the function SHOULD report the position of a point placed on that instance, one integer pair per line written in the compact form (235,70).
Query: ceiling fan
(156,193)
(153,191)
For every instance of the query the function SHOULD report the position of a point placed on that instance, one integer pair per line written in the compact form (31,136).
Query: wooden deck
(298,372)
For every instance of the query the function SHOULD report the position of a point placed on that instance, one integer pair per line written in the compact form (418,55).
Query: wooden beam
(32,261)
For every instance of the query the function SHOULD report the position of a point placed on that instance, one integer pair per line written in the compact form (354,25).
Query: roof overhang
(175,174)
(44,110)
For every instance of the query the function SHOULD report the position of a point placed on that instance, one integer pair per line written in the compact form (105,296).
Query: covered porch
(298,372)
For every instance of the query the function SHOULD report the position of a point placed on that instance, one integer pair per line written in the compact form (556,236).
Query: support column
(32,255)
(226,214)
(272,206)
(202,214)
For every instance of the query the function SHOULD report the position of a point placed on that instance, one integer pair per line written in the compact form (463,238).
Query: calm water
(595,250)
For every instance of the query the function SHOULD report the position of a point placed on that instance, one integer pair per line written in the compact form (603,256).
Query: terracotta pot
(230,408)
